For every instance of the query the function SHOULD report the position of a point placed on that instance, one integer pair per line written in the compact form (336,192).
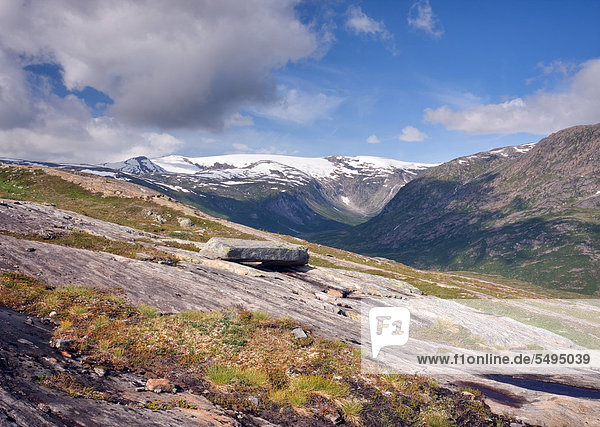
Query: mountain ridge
(286,194)
(532,215)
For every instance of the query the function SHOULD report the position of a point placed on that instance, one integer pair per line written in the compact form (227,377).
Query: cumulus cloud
(360,23)
(373,139)
(16,106)
(421,17)
(539,113)
(165,64)
(298,106)
(64,131)
(37,124)
(412,134)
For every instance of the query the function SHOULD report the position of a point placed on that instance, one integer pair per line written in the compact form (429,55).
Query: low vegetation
(92,242)
(26,183)
(448,285)
(248,361)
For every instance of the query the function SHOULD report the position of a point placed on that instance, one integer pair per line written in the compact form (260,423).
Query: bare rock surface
(303,293)
(25,356)
(46,220)
(240,250)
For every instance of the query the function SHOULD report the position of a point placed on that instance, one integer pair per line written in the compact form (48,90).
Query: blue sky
(422,80)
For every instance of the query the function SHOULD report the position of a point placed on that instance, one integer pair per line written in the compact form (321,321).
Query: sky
(413,80)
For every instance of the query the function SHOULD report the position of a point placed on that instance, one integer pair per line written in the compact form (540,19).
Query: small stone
(468,394)
(100,371)
(333,418)
(43,407)
(61,343)
(185,222)
(159,385)
(330,307)
(253,400)
(335,293)
(52,314)
(299,333)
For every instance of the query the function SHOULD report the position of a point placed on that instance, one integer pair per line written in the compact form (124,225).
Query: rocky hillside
(291,195)
(530,212)
(145,329)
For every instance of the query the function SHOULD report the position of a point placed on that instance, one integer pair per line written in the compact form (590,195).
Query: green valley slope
(531,213)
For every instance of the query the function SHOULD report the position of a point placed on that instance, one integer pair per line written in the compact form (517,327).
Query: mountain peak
(135,166)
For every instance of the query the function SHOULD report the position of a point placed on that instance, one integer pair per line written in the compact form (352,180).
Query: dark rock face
(529,212)
(272,253)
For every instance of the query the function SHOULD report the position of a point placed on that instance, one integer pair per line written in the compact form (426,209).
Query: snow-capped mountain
(288,194)
(135,166)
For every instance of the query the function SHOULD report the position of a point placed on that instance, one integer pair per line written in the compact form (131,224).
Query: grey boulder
(271,253)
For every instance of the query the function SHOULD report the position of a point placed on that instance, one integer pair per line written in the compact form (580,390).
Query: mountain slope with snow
(296,195)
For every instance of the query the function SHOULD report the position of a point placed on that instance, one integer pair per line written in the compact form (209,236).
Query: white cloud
(241,147)
(359,22)
(539,113)
(165,64)
(63,137)
(557,67)
(373,139)
(412,134)
(36,124)
(238,119)
(299,107)
(421,17)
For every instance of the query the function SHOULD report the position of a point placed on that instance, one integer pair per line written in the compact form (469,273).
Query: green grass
(26,183)
(223,374)
(69,385)
(301,388)
(92,242)
(236,353)
(446,332)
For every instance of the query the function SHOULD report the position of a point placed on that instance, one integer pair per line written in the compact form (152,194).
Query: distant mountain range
(285,194)
(530,212)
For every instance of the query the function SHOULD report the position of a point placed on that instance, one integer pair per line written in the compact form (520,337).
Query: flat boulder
(270,253)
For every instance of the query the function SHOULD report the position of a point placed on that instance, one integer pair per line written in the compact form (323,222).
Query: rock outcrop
(269,253)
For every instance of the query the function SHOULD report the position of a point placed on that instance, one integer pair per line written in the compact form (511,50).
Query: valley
(86,233)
